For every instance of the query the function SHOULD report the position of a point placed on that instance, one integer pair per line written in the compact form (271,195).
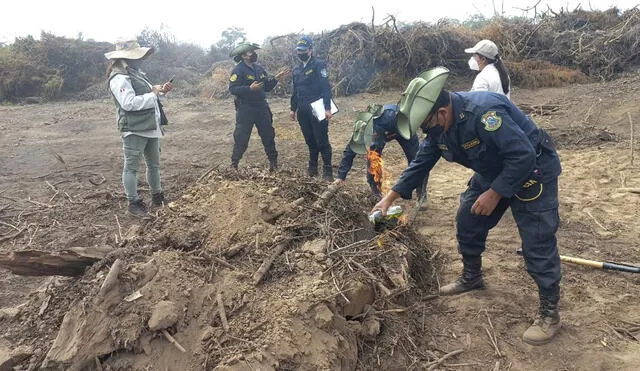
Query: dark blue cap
(304,43)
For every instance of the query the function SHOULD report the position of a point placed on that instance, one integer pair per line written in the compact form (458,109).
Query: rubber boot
(471,278)
(547,324)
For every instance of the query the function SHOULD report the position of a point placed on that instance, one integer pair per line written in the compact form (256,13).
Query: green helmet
(242,48)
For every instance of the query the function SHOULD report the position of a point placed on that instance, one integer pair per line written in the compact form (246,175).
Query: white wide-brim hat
(129,49)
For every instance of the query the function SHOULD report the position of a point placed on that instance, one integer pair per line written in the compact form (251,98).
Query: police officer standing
(516,166)
(310,83)
(249,82)
(383,121)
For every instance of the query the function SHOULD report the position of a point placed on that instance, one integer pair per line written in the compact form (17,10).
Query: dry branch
(287,208)
(326,196)
(383,288)
(264,267)
(173,341)
(223,314)
(439,361)
(70,262)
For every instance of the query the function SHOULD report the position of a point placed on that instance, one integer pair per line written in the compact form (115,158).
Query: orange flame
(375,166)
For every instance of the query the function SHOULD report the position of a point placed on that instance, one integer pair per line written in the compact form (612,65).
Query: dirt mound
(193,289)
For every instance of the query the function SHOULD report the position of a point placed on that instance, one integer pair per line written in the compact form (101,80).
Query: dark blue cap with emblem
(304,43)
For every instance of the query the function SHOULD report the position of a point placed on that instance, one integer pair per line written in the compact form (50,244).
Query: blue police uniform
(384,130)
(515,158)
(252,108)
(310,83)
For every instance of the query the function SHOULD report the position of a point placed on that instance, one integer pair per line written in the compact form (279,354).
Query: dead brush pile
(551,49)
(245,271)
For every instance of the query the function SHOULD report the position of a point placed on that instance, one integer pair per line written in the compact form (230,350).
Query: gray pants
(134,146)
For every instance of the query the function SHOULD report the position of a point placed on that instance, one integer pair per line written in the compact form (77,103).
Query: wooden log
(264,267)
(69,262)
(326,196)
(287,208)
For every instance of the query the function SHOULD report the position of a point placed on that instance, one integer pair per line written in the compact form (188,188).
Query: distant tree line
(549,49)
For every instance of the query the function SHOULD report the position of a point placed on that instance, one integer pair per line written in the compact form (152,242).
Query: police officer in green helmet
(248,83)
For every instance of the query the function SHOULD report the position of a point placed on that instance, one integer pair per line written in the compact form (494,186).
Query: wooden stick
(631,141)
(69,262)
(288,207)
(383,288)
(223,314)
(224,263)
(173,341)
(597,222)
(264,268)
(326,196)
(111,279)
(437,362)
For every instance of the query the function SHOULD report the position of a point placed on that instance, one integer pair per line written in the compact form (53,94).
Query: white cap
(486,48)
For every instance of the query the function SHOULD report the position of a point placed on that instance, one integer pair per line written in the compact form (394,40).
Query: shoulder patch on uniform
(470,144)
(324,73)
(233,77)
(491,121)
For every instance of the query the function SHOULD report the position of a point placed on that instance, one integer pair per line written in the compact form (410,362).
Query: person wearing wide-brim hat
(140,119)
(248,82)
(372,130)
(516,166)
(492,75)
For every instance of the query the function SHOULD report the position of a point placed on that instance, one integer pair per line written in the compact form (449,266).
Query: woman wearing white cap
(493,75)
(139,117)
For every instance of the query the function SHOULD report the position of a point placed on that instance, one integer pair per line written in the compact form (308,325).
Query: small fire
(376,168)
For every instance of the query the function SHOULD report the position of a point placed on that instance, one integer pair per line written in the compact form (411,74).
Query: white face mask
(473,64)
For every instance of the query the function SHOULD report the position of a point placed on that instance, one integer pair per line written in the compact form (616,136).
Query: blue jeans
(134,146)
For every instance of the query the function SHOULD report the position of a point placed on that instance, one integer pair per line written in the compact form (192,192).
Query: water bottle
(388,221)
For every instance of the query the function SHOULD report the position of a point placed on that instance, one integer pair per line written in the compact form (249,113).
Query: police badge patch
(324,73)
(491,121)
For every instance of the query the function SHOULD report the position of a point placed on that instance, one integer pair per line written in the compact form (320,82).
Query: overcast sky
(201,22)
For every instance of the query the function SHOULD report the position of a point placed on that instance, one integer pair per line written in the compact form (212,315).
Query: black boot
(327,173)
(157,199)
(273,164)
(547,323)
(471,278)
(137,208)
(312,170)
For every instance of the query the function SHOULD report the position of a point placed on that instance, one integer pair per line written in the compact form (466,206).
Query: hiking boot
(137,208)
(157,199)
(327,174)
(312,170)
(547,324)
(273,165)
(471,278)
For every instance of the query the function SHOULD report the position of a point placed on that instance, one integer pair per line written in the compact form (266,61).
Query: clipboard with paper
(317,107)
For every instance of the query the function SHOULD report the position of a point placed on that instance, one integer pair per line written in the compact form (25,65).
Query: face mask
(134,63)
(303,56)
(254,57)
(473,64)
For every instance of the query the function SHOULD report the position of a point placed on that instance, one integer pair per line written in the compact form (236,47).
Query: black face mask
(435,131)
(303,56)
(134,63)
(254,57)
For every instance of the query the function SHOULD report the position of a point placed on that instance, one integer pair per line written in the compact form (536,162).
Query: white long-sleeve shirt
(489,80)
(122,90)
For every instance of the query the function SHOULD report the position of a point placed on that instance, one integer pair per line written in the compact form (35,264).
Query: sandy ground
(60,187)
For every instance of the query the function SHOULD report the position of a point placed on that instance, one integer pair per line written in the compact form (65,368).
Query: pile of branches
(552,49)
